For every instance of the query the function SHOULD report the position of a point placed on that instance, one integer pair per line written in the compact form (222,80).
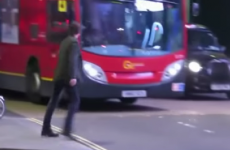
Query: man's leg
(46,129)
(74,98)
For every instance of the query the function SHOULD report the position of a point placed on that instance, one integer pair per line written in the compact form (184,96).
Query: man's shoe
(49,133)
(68,134)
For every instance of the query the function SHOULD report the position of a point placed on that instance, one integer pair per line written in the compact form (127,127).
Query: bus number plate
(220,87)
(134,93)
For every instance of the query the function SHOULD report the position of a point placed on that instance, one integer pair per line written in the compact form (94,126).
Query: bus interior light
(172,70)
(138,32)
(145,5)
(94,72)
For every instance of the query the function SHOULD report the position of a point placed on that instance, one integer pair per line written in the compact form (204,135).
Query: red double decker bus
(130,48)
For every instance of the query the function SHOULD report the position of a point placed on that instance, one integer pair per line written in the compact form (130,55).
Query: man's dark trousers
(73,94)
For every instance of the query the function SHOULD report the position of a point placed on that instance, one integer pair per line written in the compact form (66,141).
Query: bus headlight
(194,66)
(94,71)
(172,70)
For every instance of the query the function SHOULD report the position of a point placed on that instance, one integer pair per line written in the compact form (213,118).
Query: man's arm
(74,60)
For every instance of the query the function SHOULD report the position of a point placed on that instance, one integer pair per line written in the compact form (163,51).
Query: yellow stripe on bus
(47,79)
(22,75)
(12,74)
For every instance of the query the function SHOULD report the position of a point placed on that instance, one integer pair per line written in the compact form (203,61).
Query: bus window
(60,14)
(9,21)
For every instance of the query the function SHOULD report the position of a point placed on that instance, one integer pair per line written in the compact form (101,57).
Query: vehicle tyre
(96,100)
(2,108)
(187,92)
(228,95)
(33,83)
(186,95)
(128,100)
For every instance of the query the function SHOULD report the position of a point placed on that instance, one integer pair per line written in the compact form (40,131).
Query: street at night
(152,55)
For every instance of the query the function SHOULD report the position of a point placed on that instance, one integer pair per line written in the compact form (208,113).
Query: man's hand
(73,82)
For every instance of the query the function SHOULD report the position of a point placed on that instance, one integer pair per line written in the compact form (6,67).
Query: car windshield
(202,40)
(140,28)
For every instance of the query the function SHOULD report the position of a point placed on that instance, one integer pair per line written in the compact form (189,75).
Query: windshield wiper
(133,1)
(165,1)
(123,1)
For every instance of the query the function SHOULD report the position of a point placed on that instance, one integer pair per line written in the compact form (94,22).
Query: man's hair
(74,28)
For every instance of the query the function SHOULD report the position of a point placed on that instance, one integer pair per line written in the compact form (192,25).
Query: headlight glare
(194,66)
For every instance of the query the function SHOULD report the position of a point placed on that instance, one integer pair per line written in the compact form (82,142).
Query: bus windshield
(140,28)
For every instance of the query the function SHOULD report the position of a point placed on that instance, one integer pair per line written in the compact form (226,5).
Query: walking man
(67,76)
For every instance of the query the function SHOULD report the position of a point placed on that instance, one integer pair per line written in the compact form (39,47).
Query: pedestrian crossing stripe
(62,6)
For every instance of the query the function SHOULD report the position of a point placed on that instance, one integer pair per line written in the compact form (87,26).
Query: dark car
(208,66)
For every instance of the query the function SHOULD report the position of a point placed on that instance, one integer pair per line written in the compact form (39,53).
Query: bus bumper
(171,89)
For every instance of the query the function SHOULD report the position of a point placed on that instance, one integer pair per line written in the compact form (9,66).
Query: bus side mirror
(195,9)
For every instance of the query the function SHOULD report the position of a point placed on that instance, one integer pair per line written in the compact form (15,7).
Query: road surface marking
(209,131)
(186,124)
(121,116)
(82,140)
(192,126)
(189,125)
(180,123)
(13,118)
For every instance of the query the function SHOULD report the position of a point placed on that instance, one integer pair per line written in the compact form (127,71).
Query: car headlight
(94,72)
(172,70)
(194,66)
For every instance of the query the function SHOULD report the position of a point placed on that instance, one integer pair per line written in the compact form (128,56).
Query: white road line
(192,126)
(189,125)
(186,125)
(208,131)
(180,123)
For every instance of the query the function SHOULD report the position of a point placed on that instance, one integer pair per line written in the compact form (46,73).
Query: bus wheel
(94,100)
(128,100)
(33,84)
(228,95)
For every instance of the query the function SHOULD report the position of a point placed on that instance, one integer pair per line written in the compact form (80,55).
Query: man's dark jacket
(69,63)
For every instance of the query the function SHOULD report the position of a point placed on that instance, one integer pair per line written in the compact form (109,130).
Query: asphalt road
(200,123)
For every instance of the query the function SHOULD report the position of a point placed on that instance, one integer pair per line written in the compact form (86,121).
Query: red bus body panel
(150,70)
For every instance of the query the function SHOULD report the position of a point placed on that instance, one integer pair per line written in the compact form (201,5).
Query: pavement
(165,132)
(199,123)
(19,133)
